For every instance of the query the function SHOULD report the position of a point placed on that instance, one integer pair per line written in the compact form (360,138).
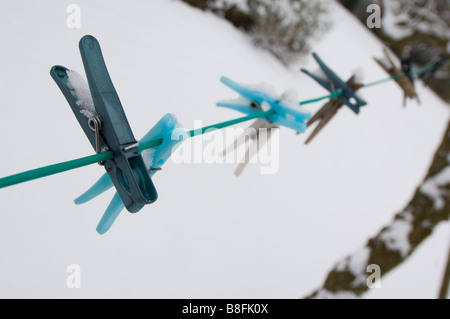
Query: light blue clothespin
(254,99)
(172,134)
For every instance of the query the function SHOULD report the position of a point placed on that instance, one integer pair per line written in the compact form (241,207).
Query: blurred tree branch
(397,241)
(443,293)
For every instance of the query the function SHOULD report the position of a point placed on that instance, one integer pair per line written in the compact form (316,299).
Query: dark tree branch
(443,293)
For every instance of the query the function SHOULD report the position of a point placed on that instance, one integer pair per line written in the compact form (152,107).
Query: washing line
(108,155)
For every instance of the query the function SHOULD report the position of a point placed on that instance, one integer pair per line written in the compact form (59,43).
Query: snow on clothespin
(403,76)
(254,99)
(103,120)
(172,134)
(345,94)
(97,107)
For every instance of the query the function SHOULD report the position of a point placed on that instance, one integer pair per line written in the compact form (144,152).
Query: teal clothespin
(172,134)
(104,122)
(333,83)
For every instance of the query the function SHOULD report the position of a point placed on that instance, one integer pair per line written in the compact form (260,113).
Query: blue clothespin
(333,83)
(172,134)
(103,120)
(254,100)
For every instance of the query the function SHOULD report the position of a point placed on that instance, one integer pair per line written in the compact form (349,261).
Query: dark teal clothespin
(439,63)
(333,83)
(104,122)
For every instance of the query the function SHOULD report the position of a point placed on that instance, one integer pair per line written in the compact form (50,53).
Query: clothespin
(439,63)
(404,76)
(172,134)
(254,133)
(407,67)
(100,114)
(254,99)
(334,84)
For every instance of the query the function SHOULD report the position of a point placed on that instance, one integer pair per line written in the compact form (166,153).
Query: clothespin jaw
(403,75)
(83,109)
(104,122)
(255,99)
(323,116)
(333,83)
(172,134)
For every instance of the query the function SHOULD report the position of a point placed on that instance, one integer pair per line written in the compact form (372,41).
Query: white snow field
(210,234)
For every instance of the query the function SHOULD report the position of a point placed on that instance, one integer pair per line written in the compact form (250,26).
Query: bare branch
(443,293)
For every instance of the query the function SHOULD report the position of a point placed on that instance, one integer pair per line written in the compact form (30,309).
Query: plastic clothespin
(258,98)
(172,134)
(254,133)
(104,122)
(333,83)
(404,76)
(254,99)
(439,63)
(328,111)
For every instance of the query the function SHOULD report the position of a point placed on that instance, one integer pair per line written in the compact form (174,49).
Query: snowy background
(210,234)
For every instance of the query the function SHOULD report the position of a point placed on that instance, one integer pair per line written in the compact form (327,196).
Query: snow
(396,236)
(356,264)
(290,98)
(325,294)
(210,234)
(434,187)
(393,15)
(82,92)
(359,75)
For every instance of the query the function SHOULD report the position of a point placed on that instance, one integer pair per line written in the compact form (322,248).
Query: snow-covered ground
(210,234)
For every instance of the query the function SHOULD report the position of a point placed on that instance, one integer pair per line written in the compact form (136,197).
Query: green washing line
(92,159)
(97,158)
(367,85)
(334,94)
